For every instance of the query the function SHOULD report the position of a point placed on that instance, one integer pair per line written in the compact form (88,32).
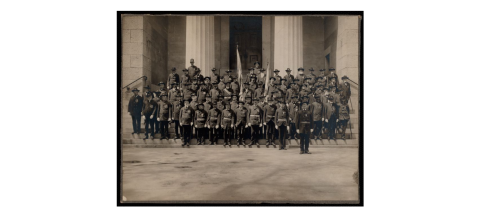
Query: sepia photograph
(244,108)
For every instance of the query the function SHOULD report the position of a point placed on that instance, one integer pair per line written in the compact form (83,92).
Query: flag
(267,80)
(239,70)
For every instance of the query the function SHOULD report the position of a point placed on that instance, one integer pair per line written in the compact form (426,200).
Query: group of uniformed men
(214,107)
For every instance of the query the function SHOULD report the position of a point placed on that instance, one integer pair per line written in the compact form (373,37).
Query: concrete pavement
(161,174)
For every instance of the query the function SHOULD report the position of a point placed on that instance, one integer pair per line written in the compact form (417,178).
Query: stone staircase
(136,140)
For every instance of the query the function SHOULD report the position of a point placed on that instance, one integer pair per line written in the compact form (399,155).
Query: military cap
(331,69)
(256,99)
(220,96)
(330,98)
(318,78)
(163,95)
(304,102)
(214,69)
(234,95)
(199,104)
(149,94)
(262,70)
(288,70)
(161,82)
(147,87)
(193,94)
(174,84)
(228,71)
(191,60)
(174,69)
(307,78)
(273,78)
(185,70)
(344,77)
(295,80)
(276,70)
(311,69)
(301,69)
(322,70)
(318,85)
(256,62)
(207,77)
(215,83)
(135,89)
(252,75)
(250,69)
(241,102)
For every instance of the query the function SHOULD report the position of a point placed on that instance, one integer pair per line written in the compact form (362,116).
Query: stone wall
(132,50)
(313,43)
(155,49)
(330,36)
(176,43)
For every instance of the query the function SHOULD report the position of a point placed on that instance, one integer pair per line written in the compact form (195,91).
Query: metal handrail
(128,88)
(352,81)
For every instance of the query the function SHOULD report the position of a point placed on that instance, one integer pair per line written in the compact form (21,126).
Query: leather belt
(271,116)
(305,122)
(254,115)
(283,119)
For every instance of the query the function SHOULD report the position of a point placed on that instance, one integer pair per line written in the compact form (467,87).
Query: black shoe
(307,152)
(145,138)
(152,138)
(133,133)
(301,152)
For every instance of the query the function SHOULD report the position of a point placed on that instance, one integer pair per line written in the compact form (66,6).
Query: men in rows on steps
(201,124)
(241,123)
(176,107)
(186,120)
(282,123)
(228,120)
(173,92)
(269,115)
(208,105)
(343,116)
(164,116)
(184,80)
(344,89)
(149,114)
(173,78)
(213,122)
(214,92)
(330,117)
(135,106)
(332,77)
(292,111)
(304,123)
(317,110)
(255,122)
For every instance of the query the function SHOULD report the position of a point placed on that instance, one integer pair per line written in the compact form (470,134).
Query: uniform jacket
(214,117)
(290,93)
(269,113)
(176,107)
(258,92)
(173,78)
(228,118)
(192,70)
(241,115)
(281,117)
(150,108)
(215,78)
(227,94)
(330,111)
(304,121)
(300,79)
(164,111)
(202,95)
(183,80)
(343,112)
(235,87)
(172,94)
(289,79)
(214,93)
(207,106)
(344,90)
(255,115)
(201,117)
(317,111)
(186,115)
(277,79)
(135,105)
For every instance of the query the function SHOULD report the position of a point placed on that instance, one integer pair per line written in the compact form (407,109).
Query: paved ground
(158,174)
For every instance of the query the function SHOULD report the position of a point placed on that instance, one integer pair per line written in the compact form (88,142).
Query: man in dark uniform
(234,102)
(288,77)
(293,108)
(251,74)
(282,124)
(176,107)
(247,92)
(213,121)
(344,89)
(197,76)
(200,124)
(207,105)
(227,78)
(255,121)
(227,93)
(149,113)
(312,76)
(192,70)
(184,80)
(330,118)
(214,92)
(164,116)
(187,92)
(235,86)
(317,110)
(215,76)
(322,79)
(269,114)
(241,113)
(172,94)
(276,76)
(173,78)
(343,116)
(263,105)
(157,98)
(292,91)
(259,90)
(202,93)
(228,120)
(300,77)
(186,120)
(304,121)
(135,106)
(332,77)
(208,83)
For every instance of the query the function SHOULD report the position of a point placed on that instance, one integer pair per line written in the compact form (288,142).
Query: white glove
(311,130)
(151,116)
(276,127)
(143,117)
(158,119)
(196,126)
(191,124)
(217,127)
(288,128)
(326,120)
(169,119)
(298,131)
(337,120)
(323,119)
(249,124)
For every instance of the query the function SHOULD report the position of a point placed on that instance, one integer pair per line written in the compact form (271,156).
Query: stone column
(288,48)
(200,44)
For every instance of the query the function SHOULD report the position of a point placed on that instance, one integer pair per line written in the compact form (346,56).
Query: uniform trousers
(149,125)
(317,128)
(187,134)
(177,128)
(136,118)
(283,135)
(293,129)
(270,131)
(343,124)
(164,129)
(227,134)
(304,141)
(332,124)
(255,133)
(241,132)
(214,132)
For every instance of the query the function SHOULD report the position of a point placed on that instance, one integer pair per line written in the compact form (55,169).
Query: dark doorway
(247,33)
